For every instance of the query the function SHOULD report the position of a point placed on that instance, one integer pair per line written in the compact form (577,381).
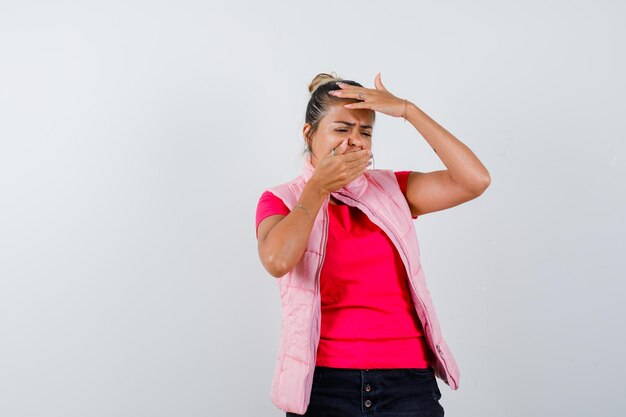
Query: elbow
(482,185)
(485,183)
(487,179)
(277,273)
(272,261)
(276,267)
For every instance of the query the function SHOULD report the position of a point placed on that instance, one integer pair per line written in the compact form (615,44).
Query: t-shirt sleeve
(269,205)
(403,179)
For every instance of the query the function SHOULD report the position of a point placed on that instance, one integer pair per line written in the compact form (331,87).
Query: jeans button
(368,387)
(368,403)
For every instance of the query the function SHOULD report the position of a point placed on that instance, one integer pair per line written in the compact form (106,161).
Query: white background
(137,136)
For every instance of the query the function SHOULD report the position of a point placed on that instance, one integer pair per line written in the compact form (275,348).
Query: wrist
(404,109)
(313,189)
(411,108)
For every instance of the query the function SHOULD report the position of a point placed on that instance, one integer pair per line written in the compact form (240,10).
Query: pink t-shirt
(368,319)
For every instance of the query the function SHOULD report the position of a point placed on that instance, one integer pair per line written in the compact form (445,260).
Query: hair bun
(322,78)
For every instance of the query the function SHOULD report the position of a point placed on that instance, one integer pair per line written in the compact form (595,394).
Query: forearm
(463,166)
(286,242)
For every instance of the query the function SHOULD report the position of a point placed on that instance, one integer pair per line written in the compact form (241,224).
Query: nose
(353,141)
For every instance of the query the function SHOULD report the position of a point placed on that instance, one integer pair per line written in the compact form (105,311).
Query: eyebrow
(352,124)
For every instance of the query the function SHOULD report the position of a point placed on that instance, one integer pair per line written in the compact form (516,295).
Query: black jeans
(401,392)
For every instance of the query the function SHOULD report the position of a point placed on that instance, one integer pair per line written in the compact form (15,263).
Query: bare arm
(283,239)
(465,179)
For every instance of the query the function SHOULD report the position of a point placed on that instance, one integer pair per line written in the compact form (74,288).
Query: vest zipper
(318,277)
(400,246)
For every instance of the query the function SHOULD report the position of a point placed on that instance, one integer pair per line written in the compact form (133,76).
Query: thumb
(378,83)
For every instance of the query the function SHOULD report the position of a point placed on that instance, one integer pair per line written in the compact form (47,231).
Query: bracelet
(404,111)
(304,208)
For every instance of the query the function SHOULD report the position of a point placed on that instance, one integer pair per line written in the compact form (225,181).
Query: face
(345,130)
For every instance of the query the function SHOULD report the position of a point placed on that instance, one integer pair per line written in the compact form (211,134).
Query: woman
(359,331)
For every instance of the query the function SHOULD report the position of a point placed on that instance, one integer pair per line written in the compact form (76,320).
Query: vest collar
(355,188)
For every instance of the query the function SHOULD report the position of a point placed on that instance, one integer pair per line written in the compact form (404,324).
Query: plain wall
(137,136)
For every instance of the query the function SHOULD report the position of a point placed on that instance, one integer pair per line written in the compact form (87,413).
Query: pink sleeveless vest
(378,195)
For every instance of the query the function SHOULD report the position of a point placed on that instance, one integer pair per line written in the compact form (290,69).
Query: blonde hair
(323,78)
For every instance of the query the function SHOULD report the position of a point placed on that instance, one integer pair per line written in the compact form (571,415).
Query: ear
(305,132)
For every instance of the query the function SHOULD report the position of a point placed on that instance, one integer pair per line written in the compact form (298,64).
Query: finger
(345,86)
(340,146)
(378,82)
(356,157)
(359,105)
(359,164)
(358,170)
(337,148)
(351,93)
(351,89)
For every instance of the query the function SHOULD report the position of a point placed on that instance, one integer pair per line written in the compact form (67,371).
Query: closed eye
(345,130)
